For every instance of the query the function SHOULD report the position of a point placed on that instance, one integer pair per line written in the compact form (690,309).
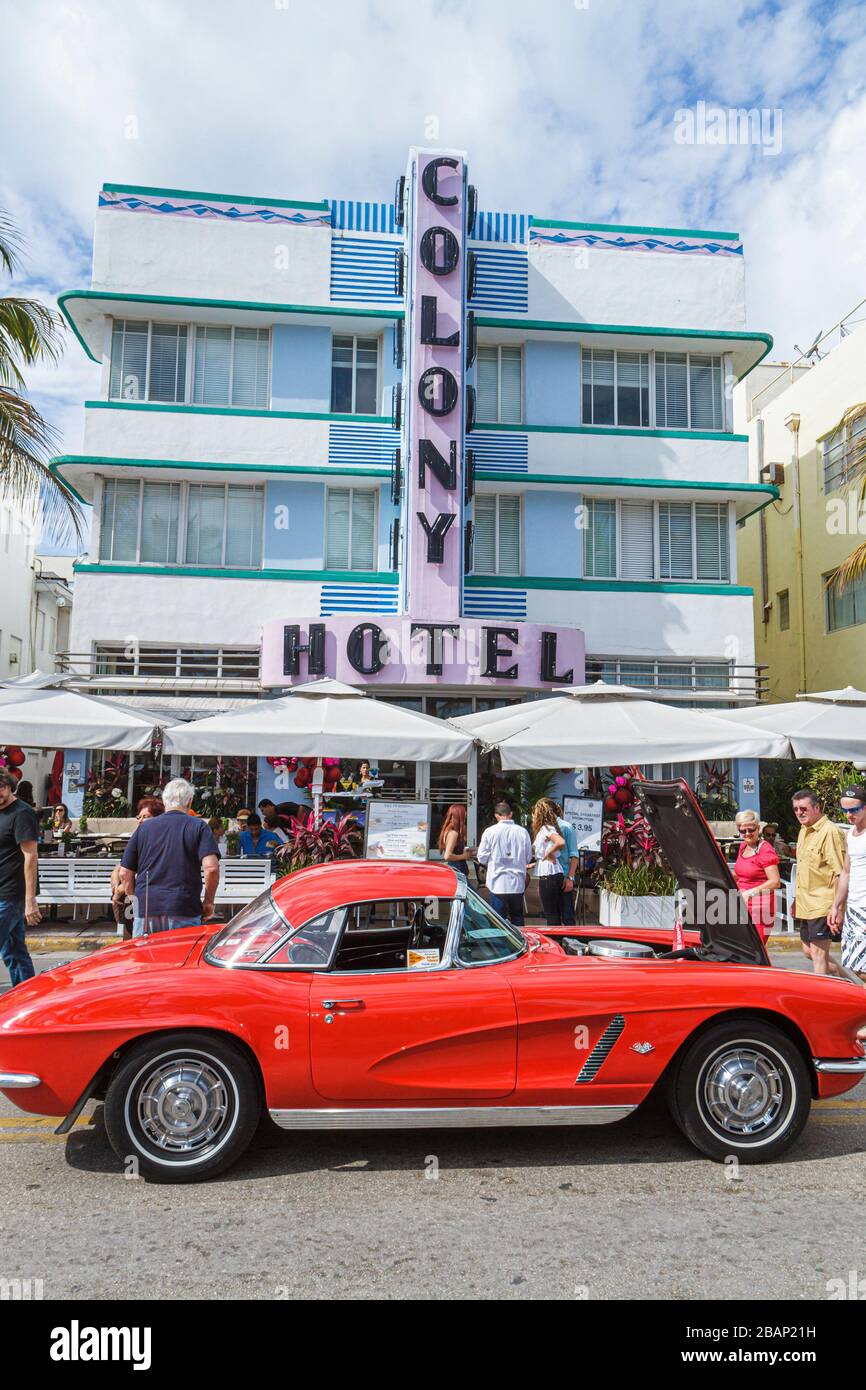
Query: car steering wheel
(319,955)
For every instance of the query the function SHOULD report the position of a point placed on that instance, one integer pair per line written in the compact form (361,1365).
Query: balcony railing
(703,682)
(122,666)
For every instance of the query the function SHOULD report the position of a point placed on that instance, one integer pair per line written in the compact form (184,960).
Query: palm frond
(10,243)
(26,440)
(29,332)
(850,570)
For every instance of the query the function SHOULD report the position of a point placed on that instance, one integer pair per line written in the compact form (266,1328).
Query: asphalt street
(629,1211)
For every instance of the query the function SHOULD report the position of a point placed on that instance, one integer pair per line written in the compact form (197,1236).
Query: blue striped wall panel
(502,282)
(502,226)
(351,445)
(350,216)
(362,269)
(357,598)
(505,452)
(495,603)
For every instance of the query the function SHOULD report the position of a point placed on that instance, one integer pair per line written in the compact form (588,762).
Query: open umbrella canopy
(824,724)
(600,725)
(323,719)
(49,718)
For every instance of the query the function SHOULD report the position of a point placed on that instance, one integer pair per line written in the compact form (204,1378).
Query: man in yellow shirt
(821,848)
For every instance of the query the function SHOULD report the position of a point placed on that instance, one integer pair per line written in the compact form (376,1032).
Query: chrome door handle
(342,1003)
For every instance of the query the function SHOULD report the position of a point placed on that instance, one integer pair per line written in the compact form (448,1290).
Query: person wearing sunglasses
(820,861)
(757,872)
(849,905)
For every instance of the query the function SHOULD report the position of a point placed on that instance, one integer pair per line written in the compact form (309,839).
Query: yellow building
(806,426)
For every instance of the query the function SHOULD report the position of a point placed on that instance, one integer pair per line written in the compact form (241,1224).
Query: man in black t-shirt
(19,833)
(164,863)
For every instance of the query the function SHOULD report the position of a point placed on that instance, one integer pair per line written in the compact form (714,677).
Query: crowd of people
(169,871)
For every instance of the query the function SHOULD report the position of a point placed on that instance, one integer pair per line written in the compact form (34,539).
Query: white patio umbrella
(49,718)
(323,718)
(824,724)
(599,725)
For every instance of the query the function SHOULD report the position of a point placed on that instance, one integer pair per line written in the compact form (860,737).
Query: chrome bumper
(18,1080)
(850,1066)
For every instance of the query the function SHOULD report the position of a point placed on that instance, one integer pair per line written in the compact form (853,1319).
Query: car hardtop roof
(315,889)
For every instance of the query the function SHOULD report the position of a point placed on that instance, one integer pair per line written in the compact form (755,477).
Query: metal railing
(132,665)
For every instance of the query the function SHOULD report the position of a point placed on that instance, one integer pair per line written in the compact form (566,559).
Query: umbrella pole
(318,777)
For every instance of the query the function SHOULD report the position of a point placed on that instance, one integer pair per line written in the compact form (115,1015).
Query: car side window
(394,934)
(313,943)
(485,937)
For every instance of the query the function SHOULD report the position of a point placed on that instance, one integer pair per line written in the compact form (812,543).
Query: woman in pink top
(757,872)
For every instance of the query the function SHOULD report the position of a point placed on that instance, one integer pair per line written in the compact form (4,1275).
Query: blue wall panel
(550,538)
(552,383)
(294,525)
(300,368)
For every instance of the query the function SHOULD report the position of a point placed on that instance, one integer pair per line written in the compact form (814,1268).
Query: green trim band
(596,480)
(197,465)
(647,330)
(720,435)
(215,197)
(616,227)
(257,306)
(201,572)
(160,407)
(629,586)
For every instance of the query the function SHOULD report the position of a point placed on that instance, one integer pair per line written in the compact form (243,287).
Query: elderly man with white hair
(164,862)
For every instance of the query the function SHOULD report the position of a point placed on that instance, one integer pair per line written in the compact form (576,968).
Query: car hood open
(711,901)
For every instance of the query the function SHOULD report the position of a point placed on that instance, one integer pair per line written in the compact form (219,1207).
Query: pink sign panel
(372,649)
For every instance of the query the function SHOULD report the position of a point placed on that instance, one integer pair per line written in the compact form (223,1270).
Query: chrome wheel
(743,1089)
(183,1105)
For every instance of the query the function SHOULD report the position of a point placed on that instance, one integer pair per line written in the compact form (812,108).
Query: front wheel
(741,1090)
(183,1106)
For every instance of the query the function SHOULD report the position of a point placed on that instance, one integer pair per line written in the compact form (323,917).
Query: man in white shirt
(506,849)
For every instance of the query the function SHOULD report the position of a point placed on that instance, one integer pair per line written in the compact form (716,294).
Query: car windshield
(484,936)
(249,936)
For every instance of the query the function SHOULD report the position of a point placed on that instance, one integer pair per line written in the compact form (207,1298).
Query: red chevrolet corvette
(368,995)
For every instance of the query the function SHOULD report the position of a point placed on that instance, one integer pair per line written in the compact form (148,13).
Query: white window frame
(520,537)
(497,347)
(657,502)
(351,489)
(715,356)
(191,327)
(377,338)
(646,352)
(182,519)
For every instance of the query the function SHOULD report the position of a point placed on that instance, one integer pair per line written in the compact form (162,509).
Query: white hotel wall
(668,290)
(199,435)
(175,255)
(631,456)
(654,624)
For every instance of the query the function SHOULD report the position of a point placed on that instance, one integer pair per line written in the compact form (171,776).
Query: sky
(567,108)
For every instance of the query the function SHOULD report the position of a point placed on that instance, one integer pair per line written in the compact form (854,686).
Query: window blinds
(600,540)
(672,408)
(167,362)
(212,374)
(675,540)
(636,540)
(711,540)
(160,511)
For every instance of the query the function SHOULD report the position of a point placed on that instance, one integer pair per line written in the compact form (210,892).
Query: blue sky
(566,108)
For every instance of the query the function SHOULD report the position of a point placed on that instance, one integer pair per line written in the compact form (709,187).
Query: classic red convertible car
(367,995)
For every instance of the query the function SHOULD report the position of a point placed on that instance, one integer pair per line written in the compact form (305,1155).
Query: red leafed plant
(632,862)
(309,844)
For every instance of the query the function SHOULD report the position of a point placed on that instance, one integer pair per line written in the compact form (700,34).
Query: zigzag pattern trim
(228,212)
(596,242)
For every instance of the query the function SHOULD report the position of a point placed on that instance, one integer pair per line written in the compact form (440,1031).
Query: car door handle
(342,1003)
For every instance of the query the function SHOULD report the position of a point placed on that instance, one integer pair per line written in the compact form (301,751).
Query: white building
(257,468)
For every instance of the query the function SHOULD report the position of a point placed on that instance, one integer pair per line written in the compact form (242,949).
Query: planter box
(637,912)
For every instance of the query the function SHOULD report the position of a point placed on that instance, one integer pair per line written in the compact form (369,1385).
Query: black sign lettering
(439,250)
(437,384)
(314,647)
(493,652)
(548,660)
(355,649)
(436,535)
(430,181)
(443,469)
(434,646)
(429,336)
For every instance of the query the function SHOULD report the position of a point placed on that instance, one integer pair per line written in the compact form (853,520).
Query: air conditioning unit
(773,473)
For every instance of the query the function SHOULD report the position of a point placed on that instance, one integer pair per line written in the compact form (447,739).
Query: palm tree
(854,567)
(29,333)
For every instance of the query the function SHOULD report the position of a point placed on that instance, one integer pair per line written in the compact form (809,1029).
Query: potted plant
(636,886)
(310,844)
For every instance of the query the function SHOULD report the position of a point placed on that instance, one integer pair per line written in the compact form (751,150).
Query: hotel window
(845,608)
(615,387)
(496,536)
(350,529)
(599,540)
(784,610)
(689,394)
(844,451)
(148,361)
(142,523)
(231,366)
(499,383)
(354,375)
(693,540)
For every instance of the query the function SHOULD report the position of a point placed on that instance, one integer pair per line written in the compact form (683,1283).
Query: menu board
(586,816)
(398,830)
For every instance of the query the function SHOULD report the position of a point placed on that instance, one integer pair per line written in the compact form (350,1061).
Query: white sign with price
(586,816)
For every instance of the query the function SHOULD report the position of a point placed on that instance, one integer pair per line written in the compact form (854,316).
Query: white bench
(241,880)
(83,882)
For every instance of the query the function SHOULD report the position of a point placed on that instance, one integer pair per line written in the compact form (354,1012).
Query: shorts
(813,929)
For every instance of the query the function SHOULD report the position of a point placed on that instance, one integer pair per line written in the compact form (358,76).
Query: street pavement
(628,1211)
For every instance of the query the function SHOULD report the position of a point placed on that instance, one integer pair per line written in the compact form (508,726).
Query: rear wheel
(741,1089)
(184,1106)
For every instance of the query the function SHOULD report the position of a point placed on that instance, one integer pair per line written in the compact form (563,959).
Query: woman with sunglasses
(849,906)
(757,872)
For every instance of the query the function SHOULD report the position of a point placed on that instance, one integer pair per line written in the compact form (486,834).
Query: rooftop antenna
(813,350)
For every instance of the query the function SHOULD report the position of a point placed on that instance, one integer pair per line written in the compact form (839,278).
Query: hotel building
(453,456)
